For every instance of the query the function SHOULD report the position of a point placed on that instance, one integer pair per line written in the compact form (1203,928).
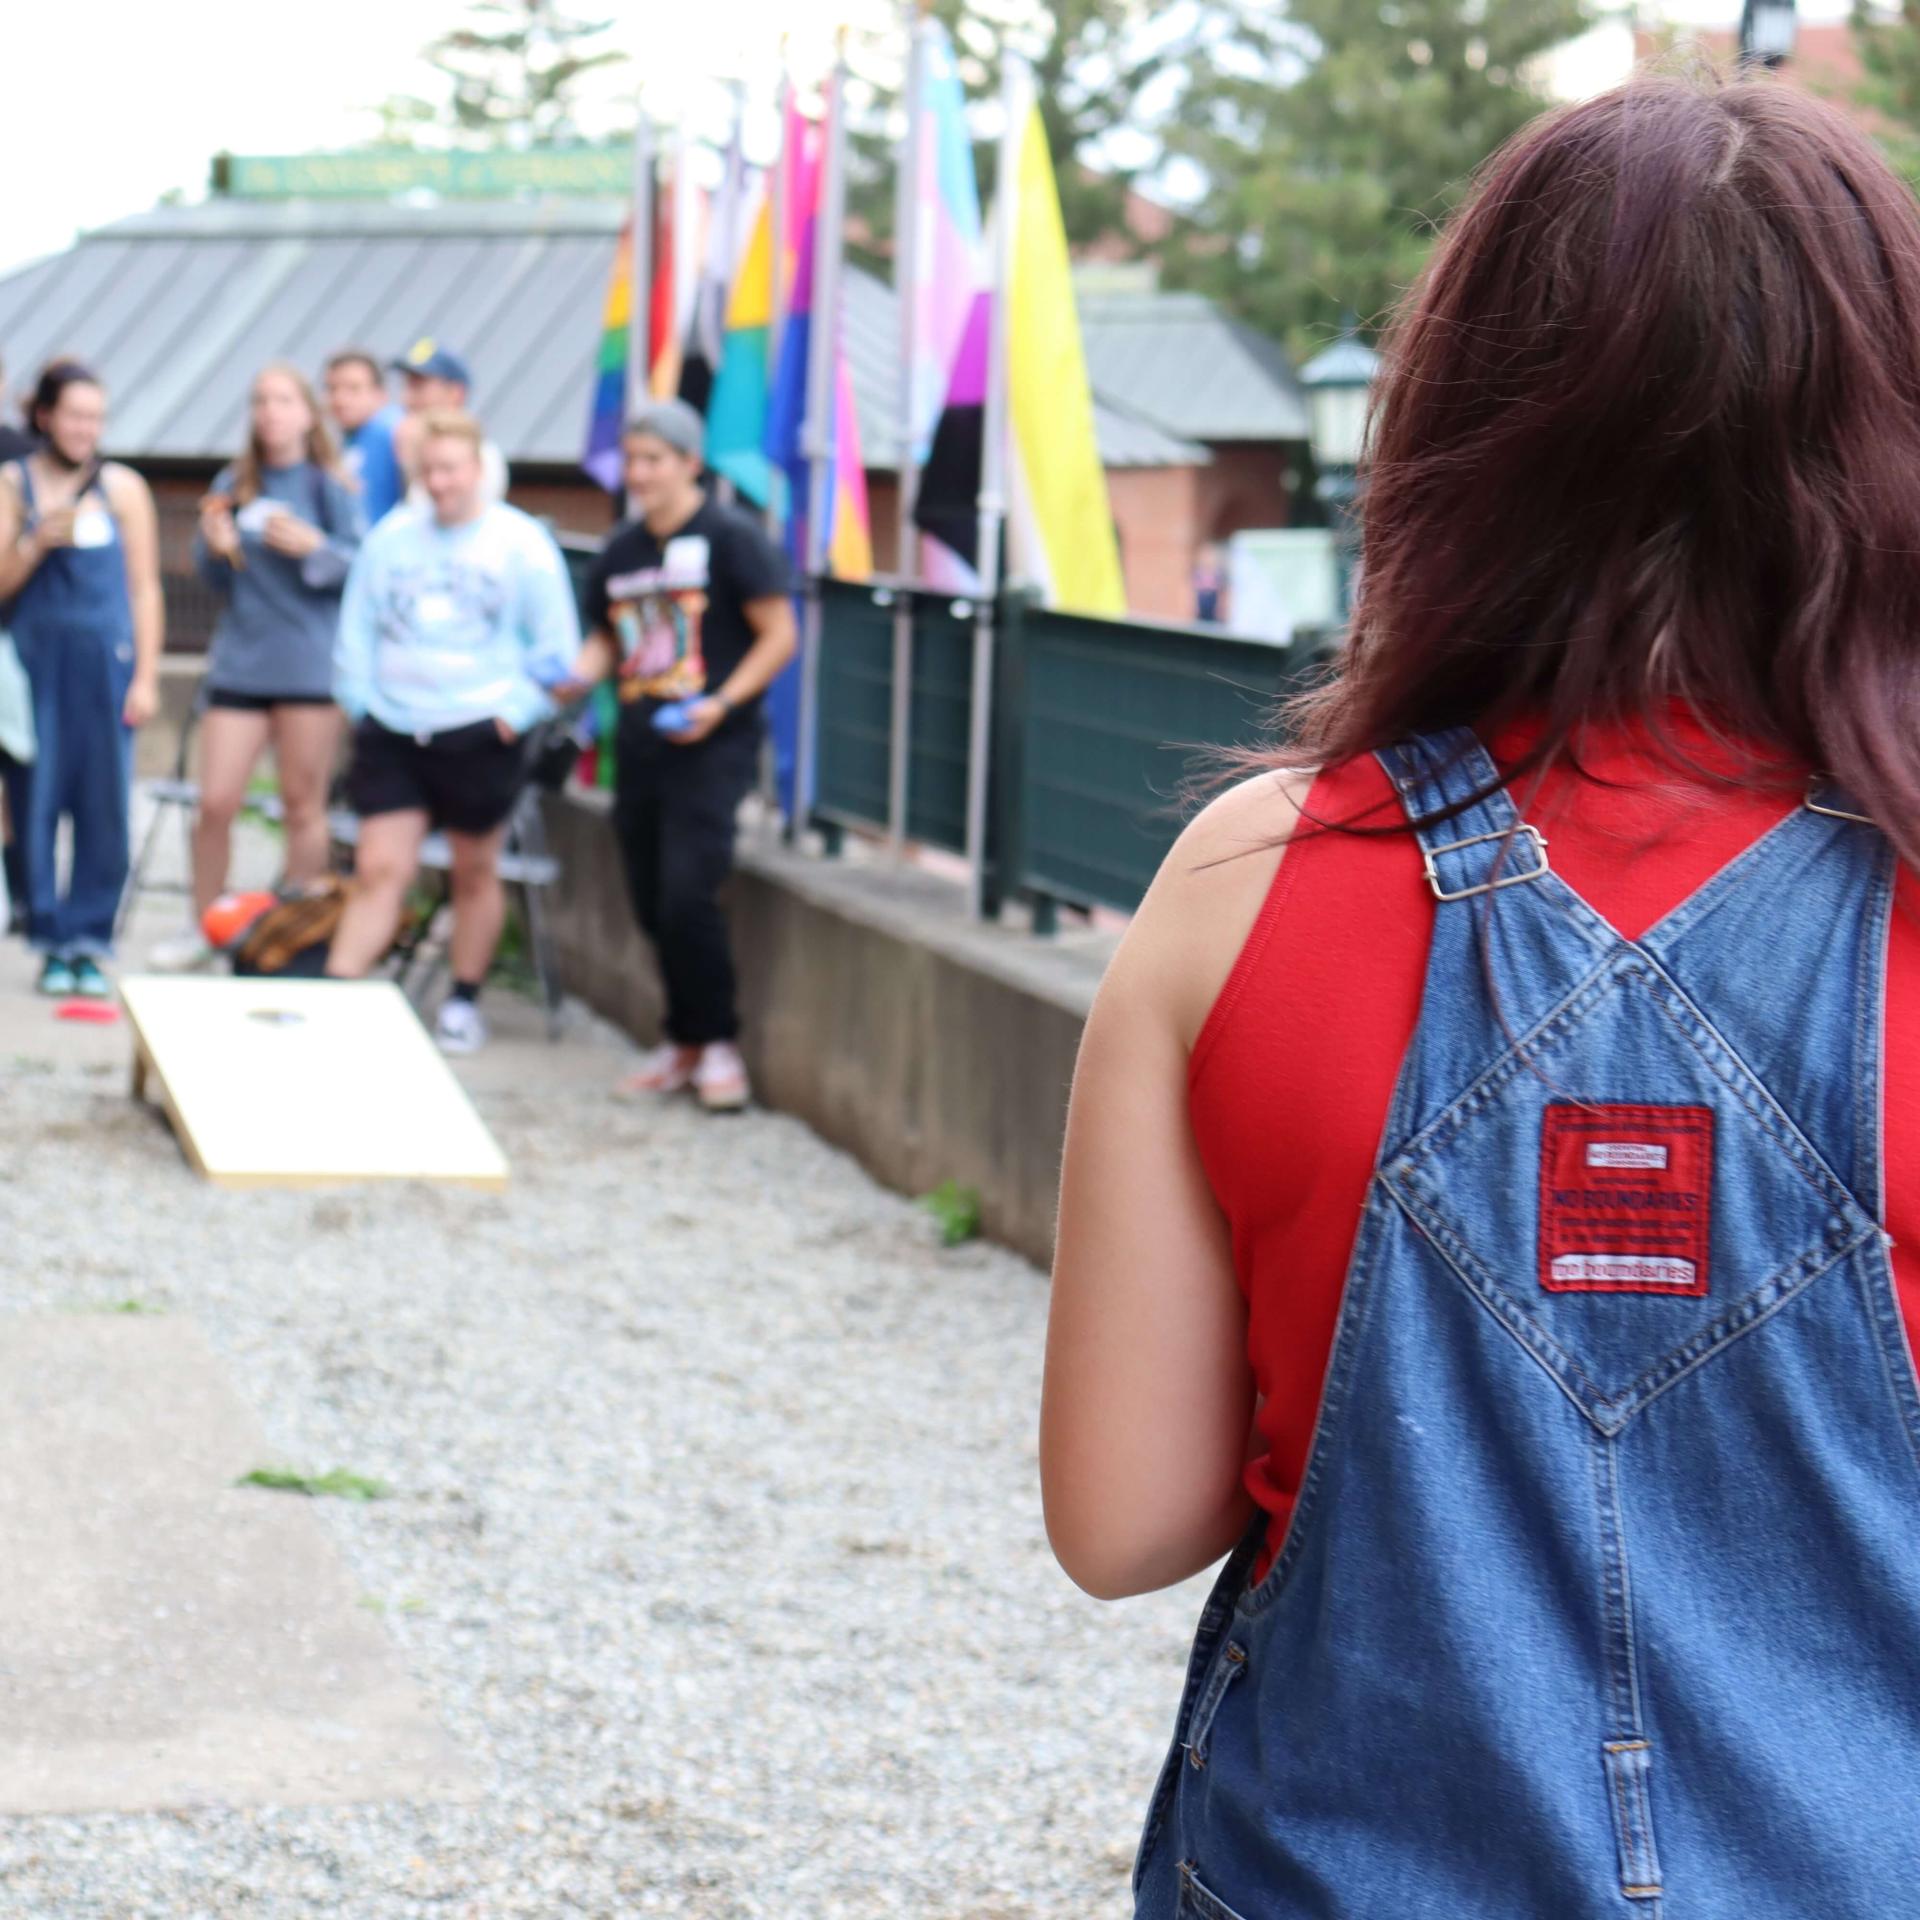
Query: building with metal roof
(1177,360)
(176,308)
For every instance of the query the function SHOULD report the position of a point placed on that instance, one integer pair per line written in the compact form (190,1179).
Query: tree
(512,75)
(1888,40)
(1332,142)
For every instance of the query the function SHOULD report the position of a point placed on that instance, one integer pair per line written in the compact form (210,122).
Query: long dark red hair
(1649,430)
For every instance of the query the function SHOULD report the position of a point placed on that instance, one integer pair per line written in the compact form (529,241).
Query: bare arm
(19,555)
(132,504)
(1148,1396)
(775,641)
(599,655)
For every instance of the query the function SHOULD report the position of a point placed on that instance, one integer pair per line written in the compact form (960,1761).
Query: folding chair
(171,795)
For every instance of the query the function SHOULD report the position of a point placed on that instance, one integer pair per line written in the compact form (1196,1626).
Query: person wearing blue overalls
(1490,1214)
(80,590)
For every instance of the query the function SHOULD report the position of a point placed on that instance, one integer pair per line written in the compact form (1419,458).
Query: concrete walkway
(711,1582)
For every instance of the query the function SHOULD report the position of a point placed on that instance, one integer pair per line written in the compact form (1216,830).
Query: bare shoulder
(124,488)
(1196,917)
(1250,822)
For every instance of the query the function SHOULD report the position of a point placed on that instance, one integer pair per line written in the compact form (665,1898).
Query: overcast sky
(112,103)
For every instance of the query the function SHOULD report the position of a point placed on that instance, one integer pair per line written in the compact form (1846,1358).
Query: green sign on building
(379,173)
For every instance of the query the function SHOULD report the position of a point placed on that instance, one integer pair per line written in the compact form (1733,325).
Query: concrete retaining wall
(872,1008)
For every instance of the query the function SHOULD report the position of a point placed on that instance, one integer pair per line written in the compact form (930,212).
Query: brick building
(1201,425)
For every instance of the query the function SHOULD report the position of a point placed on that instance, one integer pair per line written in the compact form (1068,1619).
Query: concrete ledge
(929,1047)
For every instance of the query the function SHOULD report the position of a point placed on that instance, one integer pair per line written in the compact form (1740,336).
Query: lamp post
(1766,32)
(1338,381)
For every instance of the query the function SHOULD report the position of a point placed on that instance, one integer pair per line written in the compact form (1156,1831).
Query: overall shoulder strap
(1471,836)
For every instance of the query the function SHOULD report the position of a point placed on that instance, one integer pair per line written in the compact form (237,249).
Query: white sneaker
(460,1028)
(666,1069)
(183,953)
(721,1078)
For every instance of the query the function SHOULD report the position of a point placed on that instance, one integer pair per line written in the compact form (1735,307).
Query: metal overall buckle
(1523,831)
(1815,788)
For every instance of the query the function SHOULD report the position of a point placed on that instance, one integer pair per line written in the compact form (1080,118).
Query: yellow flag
(1061,516)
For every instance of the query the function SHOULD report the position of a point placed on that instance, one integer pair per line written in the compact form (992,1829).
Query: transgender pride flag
(945,272)
(945,283)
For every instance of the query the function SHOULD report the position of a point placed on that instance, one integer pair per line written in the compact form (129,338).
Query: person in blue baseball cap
(435,379)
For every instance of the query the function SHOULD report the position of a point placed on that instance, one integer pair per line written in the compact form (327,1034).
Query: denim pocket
(1196,1903)
(1226,1670)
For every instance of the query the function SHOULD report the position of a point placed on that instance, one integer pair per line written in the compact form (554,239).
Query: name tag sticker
(92,527)
(434,609)
(685,561)
(1626,1199)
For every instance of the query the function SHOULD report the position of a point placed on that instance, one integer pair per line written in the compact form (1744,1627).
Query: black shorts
(231,702)
(465,780)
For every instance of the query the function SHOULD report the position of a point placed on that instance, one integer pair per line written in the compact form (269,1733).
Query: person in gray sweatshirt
(278,532)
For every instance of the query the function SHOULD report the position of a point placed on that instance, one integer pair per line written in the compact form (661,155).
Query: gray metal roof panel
(1128,441)
(363,219)
(1176,359)
(66,312)
(174,314)
(543,350)
(19,292)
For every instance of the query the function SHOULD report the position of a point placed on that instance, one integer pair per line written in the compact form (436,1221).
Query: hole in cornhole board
(304,1083)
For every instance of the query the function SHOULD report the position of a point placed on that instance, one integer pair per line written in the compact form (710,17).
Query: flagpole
(816,440)
(779,193)
(688,249)
(723,244)
(1016,99)
(779,196)
(907,268)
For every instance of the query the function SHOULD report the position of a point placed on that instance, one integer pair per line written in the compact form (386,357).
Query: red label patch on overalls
(1626,1199)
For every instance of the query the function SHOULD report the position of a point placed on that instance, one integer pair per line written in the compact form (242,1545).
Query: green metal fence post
(1007,838)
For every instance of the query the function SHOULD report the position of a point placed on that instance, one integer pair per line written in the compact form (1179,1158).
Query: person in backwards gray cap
(689,605)
(434,379)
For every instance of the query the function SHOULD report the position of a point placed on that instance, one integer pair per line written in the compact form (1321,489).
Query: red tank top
(1292,1075)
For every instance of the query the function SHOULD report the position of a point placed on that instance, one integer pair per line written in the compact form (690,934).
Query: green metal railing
(853,769)
(1109,725)
(1099,728)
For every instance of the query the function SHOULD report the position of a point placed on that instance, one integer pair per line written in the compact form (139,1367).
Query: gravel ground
(716,1541)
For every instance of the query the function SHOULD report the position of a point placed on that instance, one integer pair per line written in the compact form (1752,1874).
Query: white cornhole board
(294,1083)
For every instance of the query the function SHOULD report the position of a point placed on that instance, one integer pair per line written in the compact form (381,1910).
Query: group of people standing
(378,580)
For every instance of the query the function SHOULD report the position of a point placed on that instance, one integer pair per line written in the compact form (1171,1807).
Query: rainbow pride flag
(737,411)
(603,459)
(849,539)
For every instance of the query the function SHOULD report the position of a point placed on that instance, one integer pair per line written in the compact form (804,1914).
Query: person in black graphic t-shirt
(689,606)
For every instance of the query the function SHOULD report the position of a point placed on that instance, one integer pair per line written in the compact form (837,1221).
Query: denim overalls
(1602,1594)
(72,625)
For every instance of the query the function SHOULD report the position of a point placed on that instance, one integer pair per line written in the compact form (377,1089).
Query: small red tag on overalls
(1626,1199)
